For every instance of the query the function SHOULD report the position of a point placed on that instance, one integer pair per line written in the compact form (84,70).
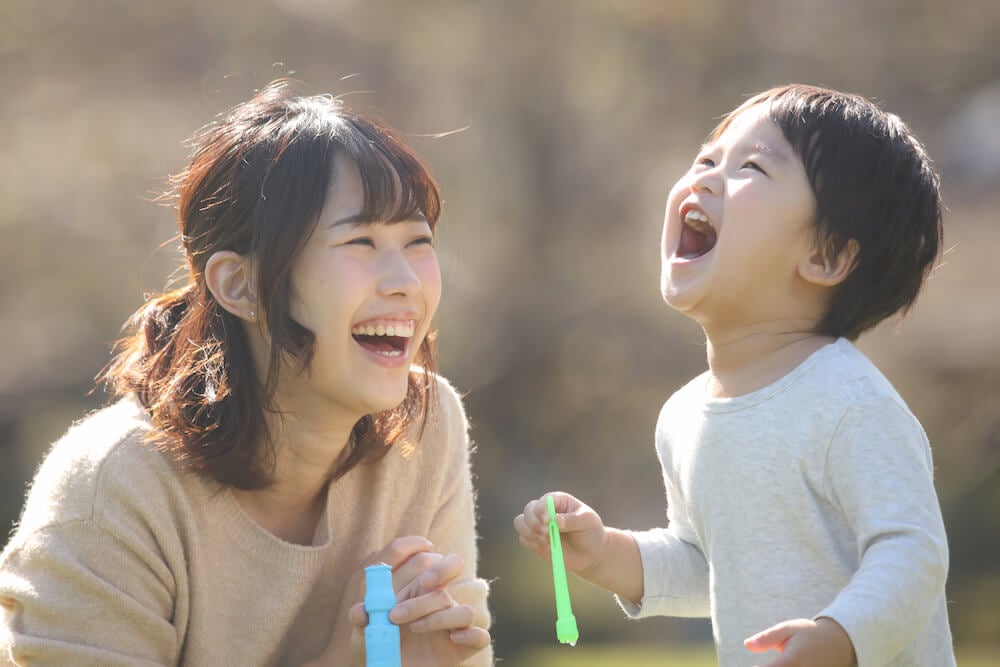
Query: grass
(678,656)
(610,654)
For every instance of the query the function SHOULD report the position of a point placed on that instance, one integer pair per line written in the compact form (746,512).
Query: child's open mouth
(385,338)
(698,237)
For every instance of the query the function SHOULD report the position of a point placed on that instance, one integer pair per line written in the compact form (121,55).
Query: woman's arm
(75,593)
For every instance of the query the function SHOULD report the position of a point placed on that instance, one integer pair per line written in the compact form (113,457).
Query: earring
(253,315)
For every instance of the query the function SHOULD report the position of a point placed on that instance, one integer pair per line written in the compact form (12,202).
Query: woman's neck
(744,360)
(306,455)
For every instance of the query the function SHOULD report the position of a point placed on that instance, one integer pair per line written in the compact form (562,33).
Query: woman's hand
(435,630)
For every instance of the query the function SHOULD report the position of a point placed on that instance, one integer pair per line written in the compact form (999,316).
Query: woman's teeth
(400,329)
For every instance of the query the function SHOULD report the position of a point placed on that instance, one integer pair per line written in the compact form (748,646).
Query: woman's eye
(750,164)
(364,240)
(705,162)
(423,240)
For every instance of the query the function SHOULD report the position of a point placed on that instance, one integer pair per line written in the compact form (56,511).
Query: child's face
(736,228)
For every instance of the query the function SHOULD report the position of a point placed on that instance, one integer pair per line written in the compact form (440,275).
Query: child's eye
(750,164)
(705,162)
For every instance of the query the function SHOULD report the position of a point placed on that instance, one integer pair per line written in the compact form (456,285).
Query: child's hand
(582,533)
(802,643)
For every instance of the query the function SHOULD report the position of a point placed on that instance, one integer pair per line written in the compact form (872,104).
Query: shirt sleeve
(453,529)
(675,572)
(879,473)
(674,568)
(75,594)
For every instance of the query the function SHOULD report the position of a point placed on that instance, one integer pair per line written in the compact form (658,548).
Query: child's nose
(707,180)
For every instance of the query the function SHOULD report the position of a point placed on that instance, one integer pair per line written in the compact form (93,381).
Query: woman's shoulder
(447,424)
(102,461)
(444,400)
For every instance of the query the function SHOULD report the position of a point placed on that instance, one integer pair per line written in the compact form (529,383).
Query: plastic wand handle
(566,630)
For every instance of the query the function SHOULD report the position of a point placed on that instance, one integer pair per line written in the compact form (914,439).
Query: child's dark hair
(256,185)
(874,185)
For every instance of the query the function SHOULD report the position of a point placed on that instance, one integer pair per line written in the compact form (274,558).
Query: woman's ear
(229,279)
(828,270)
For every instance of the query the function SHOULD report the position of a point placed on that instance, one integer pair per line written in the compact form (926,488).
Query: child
(801,512)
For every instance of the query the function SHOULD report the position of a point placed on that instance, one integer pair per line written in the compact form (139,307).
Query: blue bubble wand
(381,634)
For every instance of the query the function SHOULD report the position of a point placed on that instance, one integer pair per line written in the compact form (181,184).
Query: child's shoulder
(844,372)
(834,377)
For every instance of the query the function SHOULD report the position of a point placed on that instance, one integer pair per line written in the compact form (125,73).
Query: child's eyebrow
(757,147)
(764,149)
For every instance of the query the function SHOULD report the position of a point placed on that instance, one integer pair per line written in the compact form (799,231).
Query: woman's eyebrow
(348,220)
(358,219)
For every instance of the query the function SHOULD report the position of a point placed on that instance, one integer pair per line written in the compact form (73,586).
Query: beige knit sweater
(120,559)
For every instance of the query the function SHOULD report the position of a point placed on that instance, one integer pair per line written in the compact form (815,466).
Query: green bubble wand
(566,631)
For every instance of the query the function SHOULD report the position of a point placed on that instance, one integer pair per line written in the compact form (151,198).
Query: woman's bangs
(397,187)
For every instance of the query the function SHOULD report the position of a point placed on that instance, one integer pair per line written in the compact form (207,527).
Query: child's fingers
(774,637)
(529,537)
(562,501)
(540,548)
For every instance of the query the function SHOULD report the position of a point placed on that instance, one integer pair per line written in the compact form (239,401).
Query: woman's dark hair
(874,185)
(256,185)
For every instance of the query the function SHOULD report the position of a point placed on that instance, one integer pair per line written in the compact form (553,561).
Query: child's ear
(228,276)
(824,268)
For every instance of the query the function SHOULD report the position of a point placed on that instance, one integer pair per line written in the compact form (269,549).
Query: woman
(278,426)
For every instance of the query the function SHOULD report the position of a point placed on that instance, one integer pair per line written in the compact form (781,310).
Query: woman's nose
(397,275)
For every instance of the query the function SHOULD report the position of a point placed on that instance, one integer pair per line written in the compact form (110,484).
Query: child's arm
(604,556)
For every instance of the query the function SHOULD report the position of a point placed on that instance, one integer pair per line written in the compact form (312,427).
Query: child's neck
(746,360)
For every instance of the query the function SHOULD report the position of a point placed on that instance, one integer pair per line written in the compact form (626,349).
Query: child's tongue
(692,243)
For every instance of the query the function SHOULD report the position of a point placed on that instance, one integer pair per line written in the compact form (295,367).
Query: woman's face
(368,291)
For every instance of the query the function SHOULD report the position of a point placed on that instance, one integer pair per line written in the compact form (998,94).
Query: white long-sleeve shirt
(810,497)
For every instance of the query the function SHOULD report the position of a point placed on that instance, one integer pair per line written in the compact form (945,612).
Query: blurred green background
(564,125)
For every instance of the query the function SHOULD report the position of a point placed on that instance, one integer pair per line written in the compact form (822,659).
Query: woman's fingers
(443,572)
(400,550)
(427,574)
(358,615)
(415,566)
(433,612)
(474,637)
